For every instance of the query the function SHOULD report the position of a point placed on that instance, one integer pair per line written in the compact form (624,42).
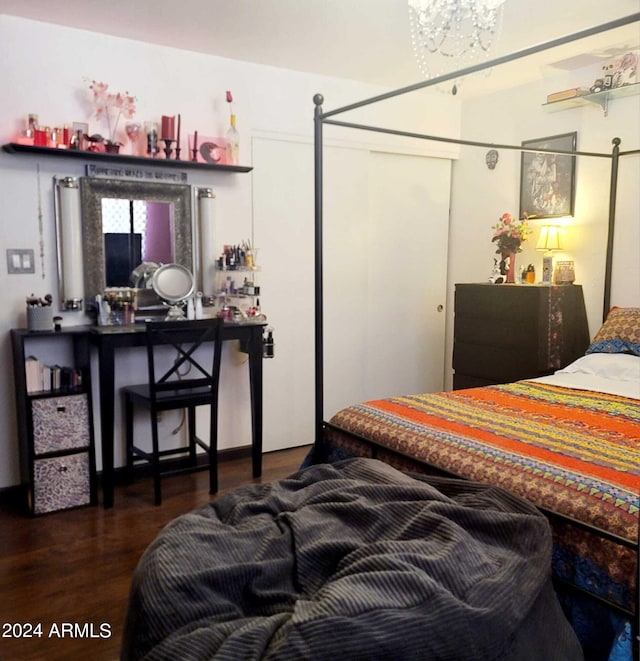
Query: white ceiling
(365,40)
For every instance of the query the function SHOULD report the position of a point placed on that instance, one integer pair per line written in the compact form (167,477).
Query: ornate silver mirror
(113,249)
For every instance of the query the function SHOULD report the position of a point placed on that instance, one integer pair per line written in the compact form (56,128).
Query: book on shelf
(33,369)
(70,378)
(56,372)
(47,378)
(567,94)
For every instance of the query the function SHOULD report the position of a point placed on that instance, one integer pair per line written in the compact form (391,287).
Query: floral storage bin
(60,423)
(61,482)
(62,466)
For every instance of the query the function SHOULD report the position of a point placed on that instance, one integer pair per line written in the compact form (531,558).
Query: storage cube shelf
(55,429)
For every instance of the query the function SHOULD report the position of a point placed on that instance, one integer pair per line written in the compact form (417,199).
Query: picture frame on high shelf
(547,179)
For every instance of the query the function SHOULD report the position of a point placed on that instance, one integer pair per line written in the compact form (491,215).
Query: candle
(168,128)
(194,149)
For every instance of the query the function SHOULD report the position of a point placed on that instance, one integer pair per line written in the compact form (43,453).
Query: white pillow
(615,366)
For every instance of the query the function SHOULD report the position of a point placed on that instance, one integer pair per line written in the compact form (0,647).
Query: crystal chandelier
(452,34)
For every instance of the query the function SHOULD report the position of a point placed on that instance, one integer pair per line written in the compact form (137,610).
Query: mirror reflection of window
(134,231)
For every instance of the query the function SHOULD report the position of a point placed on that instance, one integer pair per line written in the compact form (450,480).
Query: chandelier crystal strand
(452,34)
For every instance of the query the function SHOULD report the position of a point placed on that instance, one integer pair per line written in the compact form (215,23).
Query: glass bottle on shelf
(133,130)
(233,143)
(153,146)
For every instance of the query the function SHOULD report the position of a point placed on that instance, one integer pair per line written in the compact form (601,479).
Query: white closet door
(385,250)
(407,274)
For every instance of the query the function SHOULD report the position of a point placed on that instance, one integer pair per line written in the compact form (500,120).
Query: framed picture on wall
(547,179)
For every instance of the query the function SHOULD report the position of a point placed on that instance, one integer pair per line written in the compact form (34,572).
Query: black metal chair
(185,384)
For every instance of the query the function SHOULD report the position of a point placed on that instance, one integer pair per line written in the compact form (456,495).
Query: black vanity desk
(109,338)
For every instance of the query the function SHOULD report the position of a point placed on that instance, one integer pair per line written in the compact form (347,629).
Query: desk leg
(255,386)
(107,384)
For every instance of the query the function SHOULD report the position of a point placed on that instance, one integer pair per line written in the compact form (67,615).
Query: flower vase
(508,266)
(112,147)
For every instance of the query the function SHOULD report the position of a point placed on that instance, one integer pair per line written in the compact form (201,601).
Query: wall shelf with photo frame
(102,157)
(599,99)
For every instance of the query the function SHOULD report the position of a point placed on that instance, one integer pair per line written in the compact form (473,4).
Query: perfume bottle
(199,311)
(153,146)
(233,143)
(530,274)
(191,310)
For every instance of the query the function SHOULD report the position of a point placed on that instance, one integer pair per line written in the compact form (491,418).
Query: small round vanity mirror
(173,283)
(140,277)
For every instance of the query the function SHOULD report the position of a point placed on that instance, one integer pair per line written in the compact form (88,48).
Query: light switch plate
(20,261)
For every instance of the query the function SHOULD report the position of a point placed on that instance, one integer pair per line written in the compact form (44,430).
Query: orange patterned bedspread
(574,452)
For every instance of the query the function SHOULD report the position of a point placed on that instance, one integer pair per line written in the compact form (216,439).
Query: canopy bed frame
(328,117)
(357,558)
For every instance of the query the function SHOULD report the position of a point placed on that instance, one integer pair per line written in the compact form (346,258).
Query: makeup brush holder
(39,317)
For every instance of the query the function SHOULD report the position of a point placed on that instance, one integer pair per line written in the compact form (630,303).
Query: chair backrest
(186,369)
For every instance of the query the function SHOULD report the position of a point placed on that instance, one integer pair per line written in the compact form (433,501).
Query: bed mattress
(568,450)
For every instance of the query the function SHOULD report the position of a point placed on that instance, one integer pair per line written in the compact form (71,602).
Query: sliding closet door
(385,257)
(406,273)
(385,247)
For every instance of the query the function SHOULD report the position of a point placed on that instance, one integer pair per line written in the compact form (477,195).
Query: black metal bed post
(613,189)
(319,316)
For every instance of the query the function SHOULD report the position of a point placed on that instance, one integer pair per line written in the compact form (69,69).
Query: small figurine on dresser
(496,276)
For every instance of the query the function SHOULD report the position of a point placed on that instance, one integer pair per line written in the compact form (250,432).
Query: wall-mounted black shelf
(102,157)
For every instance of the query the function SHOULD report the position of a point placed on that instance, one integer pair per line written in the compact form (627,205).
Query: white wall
(480,195)
(44,67)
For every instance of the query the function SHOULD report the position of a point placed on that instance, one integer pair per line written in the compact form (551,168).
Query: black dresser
(505,333)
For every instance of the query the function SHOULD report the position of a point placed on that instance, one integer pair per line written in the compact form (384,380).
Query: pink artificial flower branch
(106,102)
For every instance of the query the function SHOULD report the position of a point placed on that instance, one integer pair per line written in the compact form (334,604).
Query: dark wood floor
(75,567)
